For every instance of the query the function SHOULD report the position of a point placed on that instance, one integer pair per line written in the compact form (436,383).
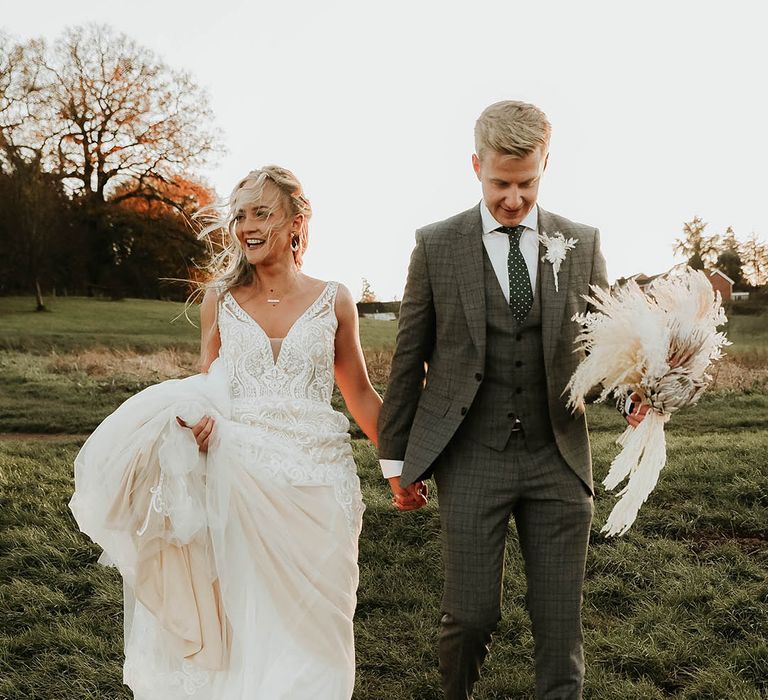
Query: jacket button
(463,410)
(478,376)
(519,363)
(519,336)
(519,390)
(510,415)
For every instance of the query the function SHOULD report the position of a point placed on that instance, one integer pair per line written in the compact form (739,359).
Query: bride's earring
(295,244)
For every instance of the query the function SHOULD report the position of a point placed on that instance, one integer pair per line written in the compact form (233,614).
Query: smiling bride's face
(263,228)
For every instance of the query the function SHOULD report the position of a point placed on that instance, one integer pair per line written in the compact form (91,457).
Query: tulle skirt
(239,566)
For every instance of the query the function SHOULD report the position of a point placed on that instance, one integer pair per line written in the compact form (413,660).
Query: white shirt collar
(490,224)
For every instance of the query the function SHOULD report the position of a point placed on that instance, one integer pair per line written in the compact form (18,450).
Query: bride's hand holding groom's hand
(412,497)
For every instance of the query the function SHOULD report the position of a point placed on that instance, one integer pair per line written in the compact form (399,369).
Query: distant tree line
(745,262)
(99,142)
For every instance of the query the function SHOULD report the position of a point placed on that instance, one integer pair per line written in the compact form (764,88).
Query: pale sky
(659,110)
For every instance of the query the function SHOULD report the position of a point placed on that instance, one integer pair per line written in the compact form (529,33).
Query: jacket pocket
(434,403)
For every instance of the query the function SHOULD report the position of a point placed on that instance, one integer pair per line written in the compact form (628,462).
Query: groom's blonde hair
(512,128)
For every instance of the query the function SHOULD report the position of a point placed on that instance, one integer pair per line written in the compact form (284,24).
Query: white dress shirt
(497,246)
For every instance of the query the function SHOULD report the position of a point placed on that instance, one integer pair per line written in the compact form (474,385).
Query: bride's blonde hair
(228,267)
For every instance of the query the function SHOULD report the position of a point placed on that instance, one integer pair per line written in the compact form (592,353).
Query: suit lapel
(552,302)
(468,258)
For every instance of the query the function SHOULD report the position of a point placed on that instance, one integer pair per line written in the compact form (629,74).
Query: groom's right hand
(412,497)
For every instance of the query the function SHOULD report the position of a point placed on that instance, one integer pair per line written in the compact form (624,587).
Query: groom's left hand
(635,410)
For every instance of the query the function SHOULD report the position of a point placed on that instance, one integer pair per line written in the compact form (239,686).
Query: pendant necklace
(273,299)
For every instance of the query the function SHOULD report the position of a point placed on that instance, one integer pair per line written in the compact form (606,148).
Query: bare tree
(31,196)
(9,60)
(116,116)
(699,250)
(367,295)
(21,96)
(754,255)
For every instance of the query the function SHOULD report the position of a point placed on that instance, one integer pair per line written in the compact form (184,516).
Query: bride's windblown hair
(228,267)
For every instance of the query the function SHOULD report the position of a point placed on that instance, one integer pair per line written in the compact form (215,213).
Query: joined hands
(412,497)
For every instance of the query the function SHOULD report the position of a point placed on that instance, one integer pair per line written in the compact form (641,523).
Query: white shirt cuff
(391,467)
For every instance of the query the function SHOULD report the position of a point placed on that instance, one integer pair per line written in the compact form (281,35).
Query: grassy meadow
(677,608)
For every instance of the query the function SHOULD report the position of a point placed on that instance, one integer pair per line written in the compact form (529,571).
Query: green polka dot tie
(520,292)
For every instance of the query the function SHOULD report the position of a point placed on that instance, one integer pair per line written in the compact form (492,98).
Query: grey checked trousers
(479,490)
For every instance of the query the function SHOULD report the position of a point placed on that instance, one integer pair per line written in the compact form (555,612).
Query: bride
(229,500)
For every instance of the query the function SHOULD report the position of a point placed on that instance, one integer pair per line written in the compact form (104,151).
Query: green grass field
(749,336)
(144,325)
(75,323)
(678,608)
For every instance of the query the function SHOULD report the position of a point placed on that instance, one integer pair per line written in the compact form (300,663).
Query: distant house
(383,316)
(721,283)
(641,279)
(719,280)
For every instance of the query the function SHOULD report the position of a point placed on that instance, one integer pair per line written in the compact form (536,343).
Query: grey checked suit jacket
(439,358)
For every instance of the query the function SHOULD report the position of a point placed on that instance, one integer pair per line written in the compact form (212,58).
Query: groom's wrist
(391,467)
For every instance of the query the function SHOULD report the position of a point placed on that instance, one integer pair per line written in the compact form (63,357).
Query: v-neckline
(276,360)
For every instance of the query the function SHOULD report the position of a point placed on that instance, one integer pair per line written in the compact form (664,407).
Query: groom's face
(510,185)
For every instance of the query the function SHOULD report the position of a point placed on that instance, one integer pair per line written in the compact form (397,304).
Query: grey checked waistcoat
(514,384)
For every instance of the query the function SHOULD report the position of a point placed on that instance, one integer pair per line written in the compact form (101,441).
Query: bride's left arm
(351,374)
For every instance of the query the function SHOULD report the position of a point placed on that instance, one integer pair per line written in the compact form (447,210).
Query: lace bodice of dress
(303,367)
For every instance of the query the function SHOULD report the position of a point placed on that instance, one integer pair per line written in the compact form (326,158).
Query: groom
(485,348)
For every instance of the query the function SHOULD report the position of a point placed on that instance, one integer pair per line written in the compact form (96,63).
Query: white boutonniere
(557,246)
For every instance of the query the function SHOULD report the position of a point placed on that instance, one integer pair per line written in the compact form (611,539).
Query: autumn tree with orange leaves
(152,238)
(114,115)
(120,131)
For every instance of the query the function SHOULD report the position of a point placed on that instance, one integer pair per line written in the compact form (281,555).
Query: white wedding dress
(240,566)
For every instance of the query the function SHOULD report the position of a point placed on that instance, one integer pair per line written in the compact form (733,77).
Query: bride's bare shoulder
(209,304)
(345,306)
(210,297)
